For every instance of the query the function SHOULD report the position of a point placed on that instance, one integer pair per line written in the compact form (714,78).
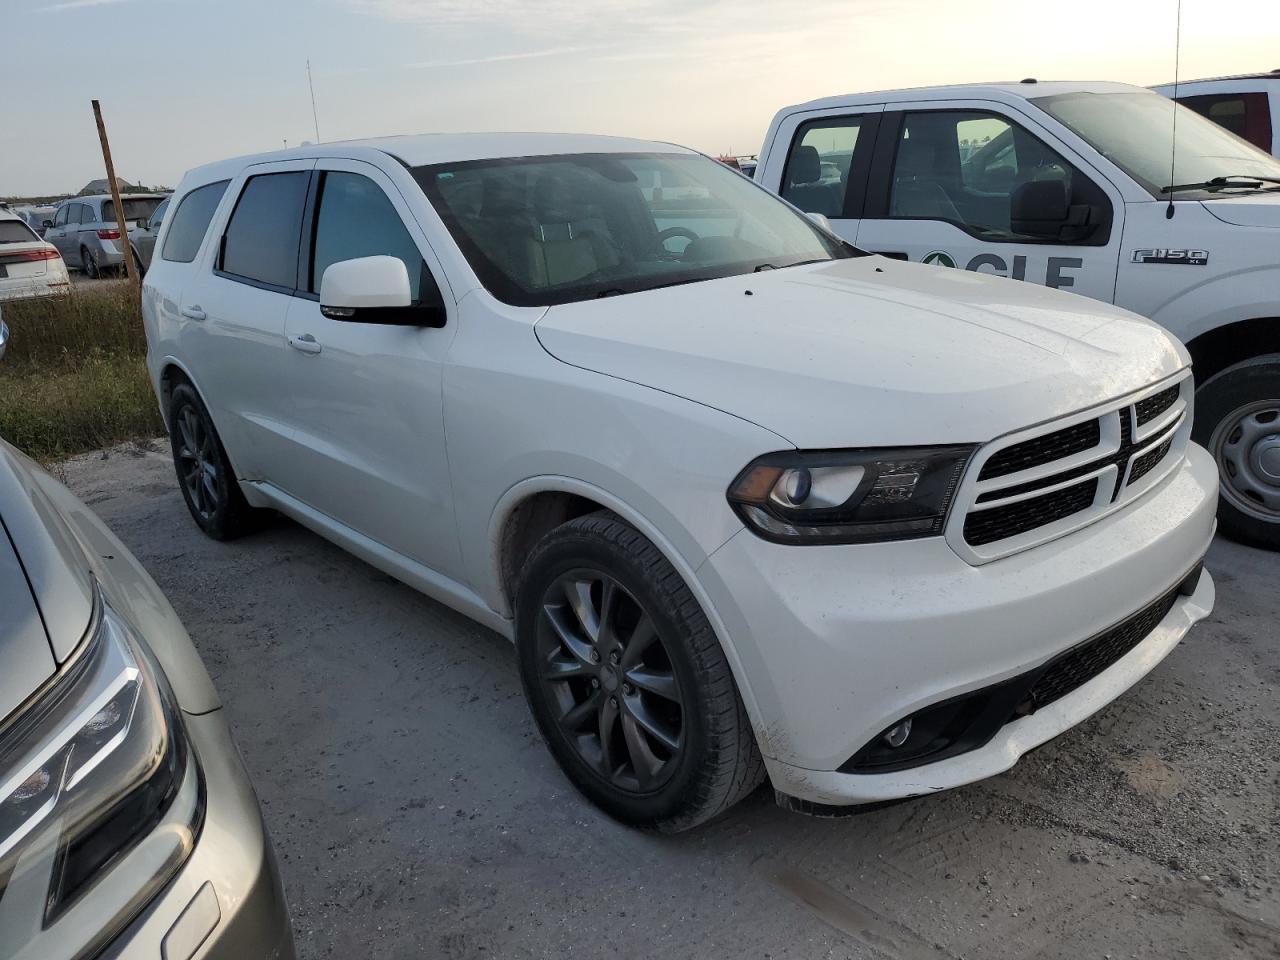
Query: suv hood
(1256,210)
(869,351)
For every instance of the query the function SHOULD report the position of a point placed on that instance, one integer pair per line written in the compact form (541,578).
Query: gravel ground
(417,814)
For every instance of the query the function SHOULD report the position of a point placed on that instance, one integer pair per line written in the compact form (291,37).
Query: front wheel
(627,680)
(1238,420)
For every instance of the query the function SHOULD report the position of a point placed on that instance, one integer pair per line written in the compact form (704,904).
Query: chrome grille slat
(1029,489)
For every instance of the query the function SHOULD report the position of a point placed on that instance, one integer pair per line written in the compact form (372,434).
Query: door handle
(193,313)
(305,342)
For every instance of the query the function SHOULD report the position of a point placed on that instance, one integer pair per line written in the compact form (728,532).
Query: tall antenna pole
(1173,145)
(312,87)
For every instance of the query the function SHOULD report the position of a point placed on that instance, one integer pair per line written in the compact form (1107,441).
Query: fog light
(897,736)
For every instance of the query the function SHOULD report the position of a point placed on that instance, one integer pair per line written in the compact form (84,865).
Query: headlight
(849,496)
(95,770)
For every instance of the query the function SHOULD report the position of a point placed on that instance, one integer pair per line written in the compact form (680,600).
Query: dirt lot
(417,814)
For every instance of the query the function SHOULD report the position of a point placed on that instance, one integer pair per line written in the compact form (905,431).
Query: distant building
(103,185)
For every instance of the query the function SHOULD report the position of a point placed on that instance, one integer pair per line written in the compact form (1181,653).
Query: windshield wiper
(1235,181)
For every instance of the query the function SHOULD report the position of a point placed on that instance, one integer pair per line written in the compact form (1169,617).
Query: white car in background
(745,498)
(29,266)
(1248,105)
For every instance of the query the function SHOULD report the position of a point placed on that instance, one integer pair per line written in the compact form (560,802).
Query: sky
(184,82)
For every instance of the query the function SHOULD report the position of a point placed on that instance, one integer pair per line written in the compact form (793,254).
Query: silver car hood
(54,577)
(26,660)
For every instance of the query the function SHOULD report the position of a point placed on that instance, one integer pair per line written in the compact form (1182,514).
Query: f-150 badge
(1186,258)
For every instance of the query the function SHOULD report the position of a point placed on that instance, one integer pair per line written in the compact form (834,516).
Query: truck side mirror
(1043,208)
(1039,208)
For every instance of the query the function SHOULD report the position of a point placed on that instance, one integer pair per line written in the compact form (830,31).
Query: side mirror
(46,224)
(374,290)
(1039,208)
(1043,208)
(821,220)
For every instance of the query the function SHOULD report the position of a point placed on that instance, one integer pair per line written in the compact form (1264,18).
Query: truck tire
(1238,421)
(627,680)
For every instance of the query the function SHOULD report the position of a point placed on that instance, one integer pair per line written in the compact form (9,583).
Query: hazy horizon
(183,83)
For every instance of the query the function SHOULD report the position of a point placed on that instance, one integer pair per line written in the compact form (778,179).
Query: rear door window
(261,241)
(820,168)
(191,221)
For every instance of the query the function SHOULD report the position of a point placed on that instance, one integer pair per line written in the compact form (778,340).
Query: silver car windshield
(556,229)
(1134,130)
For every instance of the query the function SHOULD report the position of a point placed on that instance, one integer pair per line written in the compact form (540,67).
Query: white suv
(745,498)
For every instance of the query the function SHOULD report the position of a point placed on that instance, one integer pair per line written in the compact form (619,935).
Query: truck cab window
(965,167)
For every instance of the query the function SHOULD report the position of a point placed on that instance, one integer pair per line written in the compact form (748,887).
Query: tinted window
(357,220)
(817,174)
(964,167)
(15,231)
(190,221)
(157,215)
(261,241)
(1247,115)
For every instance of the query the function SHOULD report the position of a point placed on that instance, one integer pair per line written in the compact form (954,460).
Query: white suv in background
(745,498)
(29,266)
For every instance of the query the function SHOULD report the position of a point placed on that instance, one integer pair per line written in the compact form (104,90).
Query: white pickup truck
(1071,185)
(1248,105)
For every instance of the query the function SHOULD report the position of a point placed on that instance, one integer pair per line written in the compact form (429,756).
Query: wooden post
(129,270)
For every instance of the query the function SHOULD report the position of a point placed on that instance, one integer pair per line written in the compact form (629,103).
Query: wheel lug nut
(628,689)
(595,656)
(594,683)
(613,701)
(613,658)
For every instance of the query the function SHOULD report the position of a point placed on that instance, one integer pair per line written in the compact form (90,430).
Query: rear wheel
(204,474)
(89,264)
(1238,420)
(627,680)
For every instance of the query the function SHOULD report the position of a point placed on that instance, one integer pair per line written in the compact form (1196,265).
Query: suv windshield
(1134,130)
(556,229)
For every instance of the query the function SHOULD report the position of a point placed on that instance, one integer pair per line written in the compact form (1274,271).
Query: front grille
(1156,404)
(1040,450)
(1147,462)
(1077,667)
(1000,523)
(1093,463)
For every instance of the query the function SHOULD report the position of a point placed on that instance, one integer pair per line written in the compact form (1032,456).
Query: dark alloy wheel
(611,678)
(208,483)
(626,679)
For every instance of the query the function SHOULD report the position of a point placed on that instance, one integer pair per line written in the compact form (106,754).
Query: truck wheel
(627,681)
(204,473)
(1238,420)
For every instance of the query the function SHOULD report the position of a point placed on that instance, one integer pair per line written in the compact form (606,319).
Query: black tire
(1238,421)
(89,264)
(715,762)
(205,475)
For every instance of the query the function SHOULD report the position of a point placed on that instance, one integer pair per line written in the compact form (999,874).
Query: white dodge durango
(748,501)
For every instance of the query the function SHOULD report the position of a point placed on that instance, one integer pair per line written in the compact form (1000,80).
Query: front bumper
(227,901)
(833,645)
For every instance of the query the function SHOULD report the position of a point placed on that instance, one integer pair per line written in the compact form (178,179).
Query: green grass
(75,376)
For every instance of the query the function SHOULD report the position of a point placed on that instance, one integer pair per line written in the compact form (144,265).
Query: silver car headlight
(95,771)
(849,496)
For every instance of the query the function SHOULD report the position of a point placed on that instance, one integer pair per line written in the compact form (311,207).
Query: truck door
(969,185)
(824,163)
